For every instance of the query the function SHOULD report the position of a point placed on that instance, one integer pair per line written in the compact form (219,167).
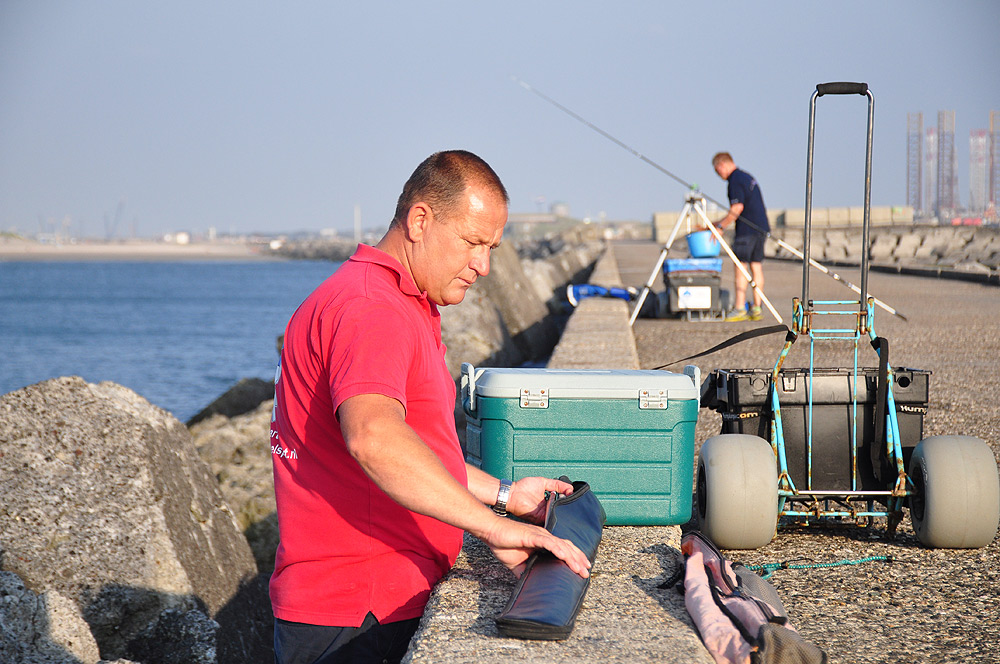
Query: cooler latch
(534,398)
(653,399)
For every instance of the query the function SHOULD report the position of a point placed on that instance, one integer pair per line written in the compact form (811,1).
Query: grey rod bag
(548,596)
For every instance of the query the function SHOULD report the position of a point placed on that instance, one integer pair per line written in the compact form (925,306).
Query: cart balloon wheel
(956,501)
(737,491)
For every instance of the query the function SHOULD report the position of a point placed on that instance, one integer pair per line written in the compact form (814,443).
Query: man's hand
(513,542)
(527,497)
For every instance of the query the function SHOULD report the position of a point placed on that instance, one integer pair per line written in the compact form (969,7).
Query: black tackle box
(741,397)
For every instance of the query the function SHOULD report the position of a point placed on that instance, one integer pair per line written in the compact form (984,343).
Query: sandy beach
(130,250)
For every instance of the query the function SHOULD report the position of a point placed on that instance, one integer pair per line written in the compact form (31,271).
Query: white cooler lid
(584,383)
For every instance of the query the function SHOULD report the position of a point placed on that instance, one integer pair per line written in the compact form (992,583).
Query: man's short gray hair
(441,180)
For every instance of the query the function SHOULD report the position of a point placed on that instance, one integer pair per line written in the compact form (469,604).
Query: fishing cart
(841,444)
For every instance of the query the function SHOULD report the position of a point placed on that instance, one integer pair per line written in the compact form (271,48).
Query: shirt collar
(369,254)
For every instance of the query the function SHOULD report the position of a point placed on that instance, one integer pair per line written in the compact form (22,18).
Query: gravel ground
(928,605)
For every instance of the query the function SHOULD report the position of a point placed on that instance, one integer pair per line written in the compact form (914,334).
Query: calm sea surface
(178,333)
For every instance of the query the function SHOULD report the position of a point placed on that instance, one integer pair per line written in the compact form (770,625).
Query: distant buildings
(932,186)
(979,170)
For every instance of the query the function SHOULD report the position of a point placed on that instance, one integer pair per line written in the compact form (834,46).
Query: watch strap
(503,495)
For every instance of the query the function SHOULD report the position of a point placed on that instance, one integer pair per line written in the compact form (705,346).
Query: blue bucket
(702,244)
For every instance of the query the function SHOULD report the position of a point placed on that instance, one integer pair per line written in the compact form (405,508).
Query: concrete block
(883,246)
(663,223)
(881,215)
(793,237)
(838,216)
(907,246)
(854,252)
(975,251)
(776,218)
(795,217)
(925,251)
(820,217)
(992,262)
(991,239)
(771,248)
(837,252)
(973,267)
(856,215)
(943,242)
(836,237)
(902,214)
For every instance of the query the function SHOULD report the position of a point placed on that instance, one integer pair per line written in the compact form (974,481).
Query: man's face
(455,248)
(725,169)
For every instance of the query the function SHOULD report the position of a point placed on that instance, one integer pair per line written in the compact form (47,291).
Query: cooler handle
(468,385)
(694,373)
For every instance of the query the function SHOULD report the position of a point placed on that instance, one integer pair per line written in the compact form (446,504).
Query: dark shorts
(749,248)
(299,643)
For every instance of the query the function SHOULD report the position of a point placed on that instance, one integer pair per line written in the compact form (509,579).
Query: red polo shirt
(346,547)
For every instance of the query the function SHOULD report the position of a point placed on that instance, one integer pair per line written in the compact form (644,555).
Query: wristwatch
(503,495)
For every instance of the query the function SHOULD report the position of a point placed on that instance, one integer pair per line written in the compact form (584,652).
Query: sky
(124,118)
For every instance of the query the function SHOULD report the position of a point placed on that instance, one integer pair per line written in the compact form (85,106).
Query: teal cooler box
(629,434)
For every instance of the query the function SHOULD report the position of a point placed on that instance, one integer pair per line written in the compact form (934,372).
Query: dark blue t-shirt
(743,188)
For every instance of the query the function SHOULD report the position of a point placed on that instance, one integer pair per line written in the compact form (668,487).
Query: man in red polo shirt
(372,490)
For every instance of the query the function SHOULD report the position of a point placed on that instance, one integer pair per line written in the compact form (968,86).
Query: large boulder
(42,629)
(243,397)
(106,502)
(238,451)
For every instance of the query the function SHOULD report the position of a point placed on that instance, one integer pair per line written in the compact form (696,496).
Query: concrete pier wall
(836,217)
(897,244)
(959,252)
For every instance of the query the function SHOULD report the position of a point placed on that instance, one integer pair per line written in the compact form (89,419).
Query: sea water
(178,333)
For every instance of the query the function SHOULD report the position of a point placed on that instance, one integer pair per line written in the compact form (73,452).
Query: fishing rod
(781,243)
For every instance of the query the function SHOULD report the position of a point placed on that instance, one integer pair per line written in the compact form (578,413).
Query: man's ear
(418,219)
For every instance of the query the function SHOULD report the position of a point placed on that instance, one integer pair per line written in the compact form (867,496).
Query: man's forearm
(734,213)
(395,458)
(482,485)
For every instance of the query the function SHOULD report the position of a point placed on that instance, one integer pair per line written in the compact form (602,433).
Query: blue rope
(770,568)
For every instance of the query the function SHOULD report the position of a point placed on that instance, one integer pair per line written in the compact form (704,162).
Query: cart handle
(841,88)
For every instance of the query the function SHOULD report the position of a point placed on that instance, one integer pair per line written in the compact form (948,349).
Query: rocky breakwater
(323,249)
(960,252)
(115,541)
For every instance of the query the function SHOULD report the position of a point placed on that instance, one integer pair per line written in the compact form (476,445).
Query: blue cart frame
(810,317)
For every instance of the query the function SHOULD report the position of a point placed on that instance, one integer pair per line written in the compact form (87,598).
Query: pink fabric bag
(739,615)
